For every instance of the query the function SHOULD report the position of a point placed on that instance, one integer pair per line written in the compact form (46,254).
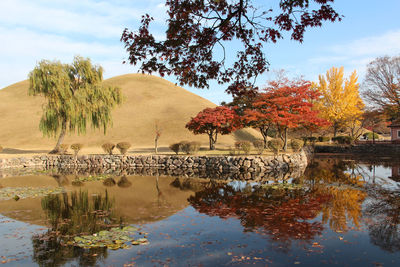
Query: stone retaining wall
(169,164)
(242,163)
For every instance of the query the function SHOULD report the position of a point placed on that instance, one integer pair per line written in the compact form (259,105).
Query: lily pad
(91,178)
(115,238)
(27,192)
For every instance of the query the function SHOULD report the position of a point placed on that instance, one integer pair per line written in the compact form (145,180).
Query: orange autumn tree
(286,104)
(214,121)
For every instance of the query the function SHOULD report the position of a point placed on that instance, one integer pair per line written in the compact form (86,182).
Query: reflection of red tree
(283,218)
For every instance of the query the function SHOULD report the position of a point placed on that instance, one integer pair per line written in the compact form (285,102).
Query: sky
(33,30)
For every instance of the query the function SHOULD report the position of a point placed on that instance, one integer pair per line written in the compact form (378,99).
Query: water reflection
(283,215)
(332,189)
(383,213)
(69,215)
(336,197)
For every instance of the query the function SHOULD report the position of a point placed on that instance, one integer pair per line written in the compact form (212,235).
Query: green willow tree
(75,97)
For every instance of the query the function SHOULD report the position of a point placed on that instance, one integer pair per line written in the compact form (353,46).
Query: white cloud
(22,49)
(60,29)
(354,55)
(386,44)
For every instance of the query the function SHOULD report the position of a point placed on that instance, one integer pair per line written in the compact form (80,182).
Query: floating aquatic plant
(115,238)
(7,193)
(92,178)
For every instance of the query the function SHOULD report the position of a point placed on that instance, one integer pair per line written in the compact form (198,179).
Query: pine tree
(75,97)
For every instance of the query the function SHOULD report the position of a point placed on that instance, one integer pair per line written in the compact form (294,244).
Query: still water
(342,212)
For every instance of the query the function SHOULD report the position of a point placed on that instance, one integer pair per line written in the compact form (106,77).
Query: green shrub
(123,147)
(370,136)
(310,139)
(324,139)
(175,147)
(64,149)
(296,144)
(275,145)
(76,148)
(108,148)
(259,146)
(189,147)
(342,140)
(244,146)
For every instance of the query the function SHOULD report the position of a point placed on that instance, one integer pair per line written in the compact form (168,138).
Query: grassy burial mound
(147,100)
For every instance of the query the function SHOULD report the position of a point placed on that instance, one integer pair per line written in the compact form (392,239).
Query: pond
(341,211)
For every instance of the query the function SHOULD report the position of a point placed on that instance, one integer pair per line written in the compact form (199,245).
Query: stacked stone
(235,167)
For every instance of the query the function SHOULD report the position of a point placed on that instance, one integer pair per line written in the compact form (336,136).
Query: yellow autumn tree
(340,101)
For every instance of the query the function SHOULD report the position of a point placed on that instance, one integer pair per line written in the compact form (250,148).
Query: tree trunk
(285,139)
(373,135)
(264,133)
(335,128)
(212,140)
(56,149)
(156,144)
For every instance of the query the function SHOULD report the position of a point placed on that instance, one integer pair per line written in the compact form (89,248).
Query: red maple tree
(214,121)
(286,104)
(198,32)
(258,118)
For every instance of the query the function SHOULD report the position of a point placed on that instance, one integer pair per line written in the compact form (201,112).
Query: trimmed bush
(109,182)
(194,146)
(259,146)
(108,148)
(124,182)
(64,149)
(244,146)
(296,144)
(370,136)
(189,147)
(175,147)
(123,147)
(324,139)
(310,139)
(76,148)
(77,183)
(275,145)
(342,140)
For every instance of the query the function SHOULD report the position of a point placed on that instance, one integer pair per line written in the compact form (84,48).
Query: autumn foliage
(340,102)
(282,218)
(199,31)
(285,104)
(214,121)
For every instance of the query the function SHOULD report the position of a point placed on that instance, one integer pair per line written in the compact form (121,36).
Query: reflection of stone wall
(368,149)
(242,167)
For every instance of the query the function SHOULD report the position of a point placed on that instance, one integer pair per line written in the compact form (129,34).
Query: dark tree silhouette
(198,32)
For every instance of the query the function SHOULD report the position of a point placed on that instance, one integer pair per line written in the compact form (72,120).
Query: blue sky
(32,30)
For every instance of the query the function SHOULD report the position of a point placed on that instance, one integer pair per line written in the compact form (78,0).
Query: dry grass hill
(148,99)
